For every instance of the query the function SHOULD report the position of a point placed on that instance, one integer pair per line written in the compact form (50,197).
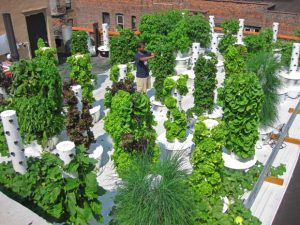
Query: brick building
(126,13)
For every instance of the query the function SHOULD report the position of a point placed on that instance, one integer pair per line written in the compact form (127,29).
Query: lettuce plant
(241,99)
(129,122)
(230,28)
(235,60)
(205,83)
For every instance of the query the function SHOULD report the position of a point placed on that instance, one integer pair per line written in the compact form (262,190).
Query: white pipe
(275,31)
(14,141)
(78,94)
(240,34)
(214,43)
(212,24)
(295,58)
(66,151)
(105,35)
(122,71)
(196,52)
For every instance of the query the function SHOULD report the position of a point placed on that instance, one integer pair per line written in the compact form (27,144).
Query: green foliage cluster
(37,96)
(177,119)
(241,99)
(162,66)
(81,73)
(230,28)
(129,122)
(114,73)
(122,47)
(168,32)
(144,198)
(286,51)
(205,83)
(79,43)
(58,197)
(297,32)
(265,66)
(3,144)
(278,171)
(207,160)
(261,42)
(235,60)
(5,81)
(78,123)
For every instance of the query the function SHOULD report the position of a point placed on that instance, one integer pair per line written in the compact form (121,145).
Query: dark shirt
(142,68)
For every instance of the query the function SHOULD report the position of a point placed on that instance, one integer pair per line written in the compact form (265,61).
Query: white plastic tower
(66,151)
(212,24)
(122,71)
(240,34)
(195,53)
(275,31)
(105,35)
(14,141)
(78,94)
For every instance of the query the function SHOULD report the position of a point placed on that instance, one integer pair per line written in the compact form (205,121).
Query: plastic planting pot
(104,54)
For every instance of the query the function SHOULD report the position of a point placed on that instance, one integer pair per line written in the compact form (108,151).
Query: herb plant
(155,194)
(79,43)
(261,42)
(179,37)
(235,60)
(37,96)
(241,99)
(230,28)
(81,73)
(205,83)
(177,119)
(265,66)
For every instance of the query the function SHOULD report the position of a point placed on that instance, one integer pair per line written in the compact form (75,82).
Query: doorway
(36,26)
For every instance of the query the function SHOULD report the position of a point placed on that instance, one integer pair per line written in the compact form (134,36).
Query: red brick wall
(86,12)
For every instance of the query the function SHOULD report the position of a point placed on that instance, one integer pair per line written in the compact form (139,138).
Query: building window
(120,20)
(133,22)
(68,4)
(105,17)
(70,22)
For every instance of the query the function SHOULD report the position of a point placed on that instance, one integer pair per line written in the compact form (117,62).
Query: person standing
(143,80)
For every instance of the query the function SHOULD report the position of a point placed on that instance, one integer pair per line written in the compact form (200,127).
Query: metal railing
(250,200)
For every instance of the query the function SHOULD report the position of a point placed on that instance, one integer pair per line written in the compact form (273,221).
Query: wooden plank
(291,110)
(274,180)
(287,139)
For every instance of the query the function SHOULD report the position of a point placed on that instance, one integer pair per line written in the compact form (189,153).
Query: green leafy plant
(155,194)
(37,96)
(79,42)
(230,28)
(114,73)
(179,37)
(129,122)
(78,123)
(265,66)
(59,198)
(81,73)
(241,99)
(162,66)
(129,74)
(205,83)
(235,60)
(261,42)
(286,48)
(297,32)
(177,119)
(278,171)
(122,47)
(198,29)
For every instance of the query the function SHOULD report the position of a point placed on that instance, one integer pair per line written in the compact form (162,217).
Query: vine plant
(177,119)
(205,83)
(241,99)
(129,122)
(81,73)
(57,197)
